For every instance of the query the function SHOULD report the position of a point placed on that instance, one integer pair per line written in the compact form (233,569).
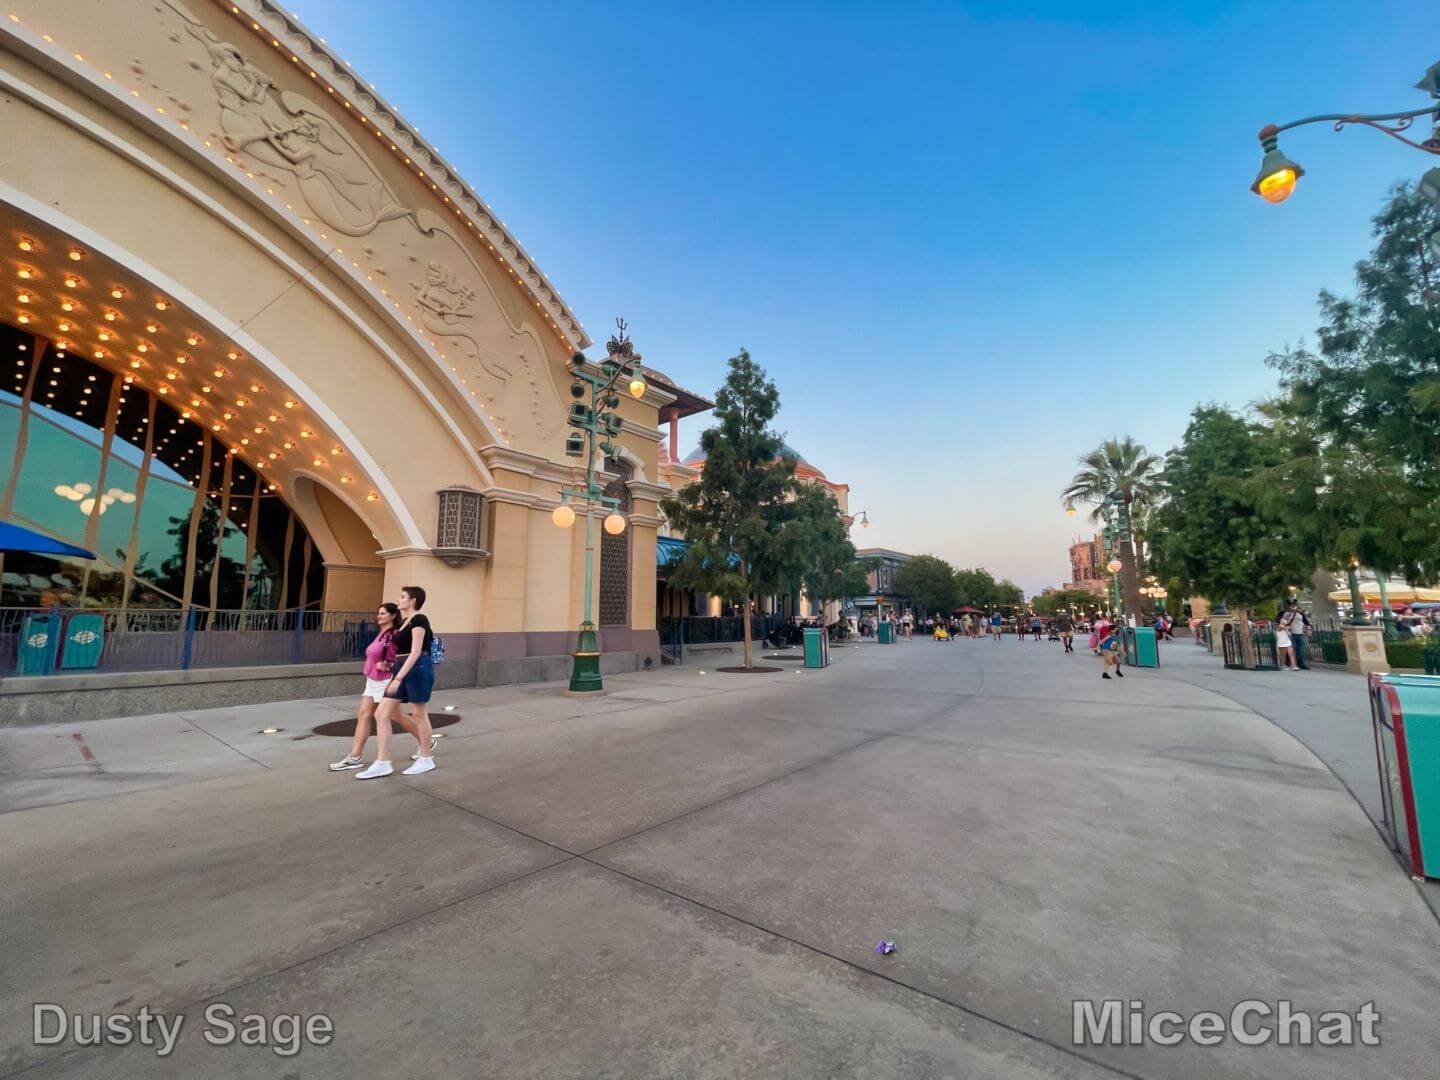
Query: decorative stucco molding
(642,431)
(447,184)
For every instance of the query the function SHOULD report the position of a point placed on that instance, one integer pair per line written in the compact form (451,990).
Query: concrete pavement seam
(966,1009)
(493,821)
(223,743)
(1419,888)
(771,780)
(322,954)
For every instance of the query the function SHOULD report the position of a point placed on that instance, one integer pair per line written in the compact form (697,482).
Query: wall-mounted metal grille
(459,535)
(615,556)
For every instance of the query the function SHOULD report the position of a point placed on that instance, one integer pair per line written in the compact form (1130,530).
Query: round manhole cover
(346,728)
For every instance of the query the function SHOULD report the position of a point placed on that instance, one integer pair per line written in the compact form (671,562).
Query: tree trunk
(1247,643)
(1130,579)
(745,615)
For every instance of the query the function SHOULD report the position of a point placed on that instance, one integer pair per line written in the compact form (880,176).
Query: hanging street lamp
(596,426)
(1278,174)
(862,517)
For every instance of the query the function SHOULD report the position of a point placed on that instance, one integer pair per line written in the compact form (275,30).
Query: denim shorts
(416,687)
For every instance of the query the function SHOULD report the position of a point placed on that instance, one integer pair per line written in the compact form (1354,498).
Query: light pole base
(1365,649)
(585,672)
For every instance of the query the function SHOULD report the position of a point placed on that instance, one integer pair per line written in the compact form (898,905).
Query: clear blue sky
(966,240)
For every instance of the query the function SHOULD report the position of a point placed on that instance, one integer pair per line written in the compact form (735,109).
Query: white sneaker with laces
(422,765)
(433,744)
(347,762)
(376,770)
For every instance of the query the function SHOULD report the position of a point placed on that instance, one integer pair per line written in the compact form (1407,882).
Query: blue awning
(669,550)
(19,538)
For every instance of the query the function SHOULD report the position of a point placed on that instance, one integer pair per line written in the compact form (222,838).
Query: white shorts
(375,689)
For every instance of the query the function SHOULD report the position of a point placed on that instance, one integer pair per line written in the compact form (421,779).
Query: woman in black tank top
(411,684)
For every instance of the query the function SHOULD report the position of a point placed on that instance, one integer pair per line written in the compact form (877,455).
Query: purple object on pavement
(884,948)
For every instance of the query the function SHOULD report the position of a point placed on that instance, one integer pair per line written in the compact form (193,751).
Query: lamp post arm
(1391,124)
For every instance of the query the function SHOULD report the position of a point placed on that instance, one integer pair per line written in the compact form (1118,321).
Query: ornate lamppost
(1118,517)
(1278,174)
(597,425)
(1111,536)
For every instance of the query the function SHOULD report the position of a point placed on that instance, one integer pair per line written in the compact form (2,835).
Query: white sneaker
(347,762)
(376,769)
(434,742)
(422,765)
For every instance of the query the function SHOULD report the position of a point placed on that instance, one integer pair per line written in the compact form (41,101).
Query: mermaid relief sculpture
(289,132)
(443,299)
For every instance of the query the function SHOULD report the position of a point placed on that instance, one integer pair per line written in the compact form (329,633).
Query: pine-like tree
(738,515)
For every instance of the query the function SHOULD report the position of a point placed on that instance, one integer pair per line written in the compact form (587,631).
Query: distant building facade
(884,598)
(1087,566)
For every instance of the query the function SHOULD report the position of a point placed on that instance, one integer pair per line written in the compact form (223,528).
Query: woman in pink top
(378,656)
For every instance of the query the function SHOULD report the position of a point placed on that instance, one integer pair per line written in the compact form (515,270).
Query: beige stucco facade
(261,235)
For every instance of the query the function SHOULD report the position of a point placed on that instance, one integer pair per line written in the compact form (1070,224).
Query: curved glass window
(97,462)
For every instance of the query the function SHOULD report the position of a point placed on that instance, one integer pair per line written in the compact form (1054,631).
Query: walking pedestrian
(1108,635)
(379,655)
(1036,624)
(411,683)
(996,623)
(1065,627)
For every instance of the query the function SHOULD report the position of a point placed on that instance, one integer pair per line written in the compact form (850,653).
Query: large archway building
(278,350)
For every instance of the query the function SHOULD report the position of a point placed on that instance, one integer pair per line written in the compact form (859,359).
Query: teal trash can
(1141,647)
(817,647)
(39,642)
(1405,719)
(887,632)
(84,641)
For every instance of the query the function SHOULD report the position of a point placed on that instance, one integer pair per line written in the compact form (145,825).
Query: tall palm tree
(1125,466)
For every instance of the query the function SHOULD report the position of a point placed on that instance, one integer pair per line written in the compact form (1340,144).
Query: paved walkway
(687,878)
(1325,708)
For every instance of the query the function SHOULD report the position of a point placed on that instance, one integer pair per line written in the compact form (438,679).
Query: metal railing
(1267,655)
(678,632)
(44,641)
(1326,643)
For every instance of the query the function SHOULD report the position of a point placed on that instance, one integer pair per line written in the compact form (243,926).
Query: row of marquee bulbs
(564,516)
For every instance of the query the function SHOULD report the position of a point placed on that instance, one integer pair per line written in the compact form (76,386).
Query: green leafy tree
(1126,467)
(739,515)
(930,582)
(977,588)
(824,557)
(1052,603)
(1218,533)
(1365,407)
(1008,594)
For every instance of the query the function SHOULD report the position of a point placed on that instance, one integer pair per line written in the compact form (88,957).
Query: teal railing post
(187,652)
(52,650)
